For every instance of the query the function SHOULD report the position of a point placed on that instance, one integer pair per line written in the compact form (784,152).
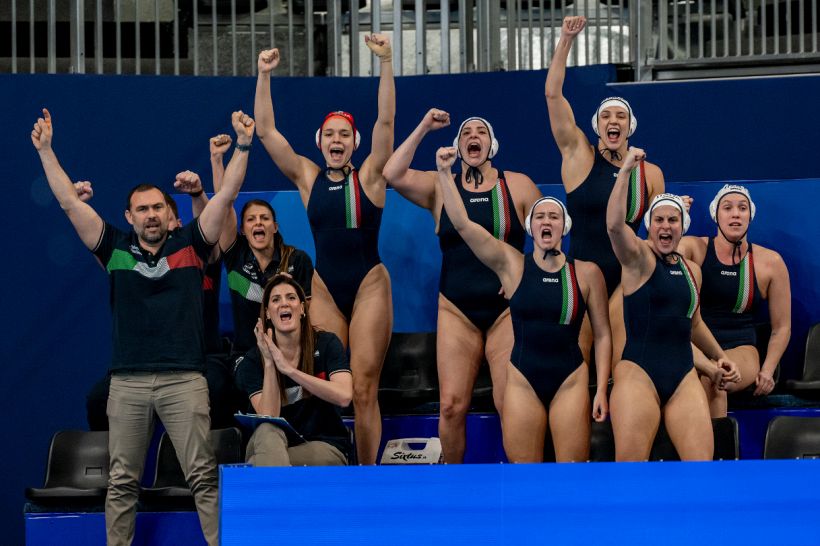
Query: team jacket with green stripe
(156,299)
(246,282)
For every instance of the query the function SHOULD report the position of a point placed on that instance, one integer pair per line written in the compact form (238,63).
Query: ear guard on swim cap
(615,101)
(726,190)
(567,219)
(357,138)
(668,199)
(493,141)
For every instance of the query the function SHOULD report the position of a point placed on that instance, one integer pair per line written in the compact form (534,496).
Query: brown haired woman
(298,373)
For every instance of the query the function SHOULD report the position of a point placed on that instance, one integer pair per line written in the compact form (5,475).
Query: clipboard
(252,420)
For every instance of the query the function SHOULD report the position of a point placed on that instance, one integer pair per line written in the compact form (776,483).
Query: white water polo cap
(668,199)
(726,190)
(493,141)
(567,219)
(620,102)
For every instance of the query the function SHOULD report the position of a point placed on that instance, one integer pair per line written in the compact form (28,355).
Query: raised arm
(212,219)
(382,140)
(419,187)
(568,136)
(780,314)
(299,169)
(495,254)
(218,146)
(625,243)
(87,223)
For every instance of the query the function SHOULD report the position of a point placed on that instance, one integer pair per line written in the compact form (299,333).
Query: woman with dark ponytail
(252,257)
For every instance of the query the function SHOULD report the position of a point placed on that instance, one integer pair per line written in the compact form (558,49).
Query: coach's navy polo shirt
(156,299)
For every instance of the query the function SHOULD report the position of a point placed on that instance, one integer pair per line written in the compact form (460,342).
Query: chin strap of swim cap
(474,174)
(344,171)
(613,155)
(665,256)
(736,245)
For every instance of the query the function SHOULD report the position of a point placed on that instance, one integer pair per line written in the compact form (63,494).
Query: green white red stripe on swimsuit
(746,287)
(693,289)
(636,197)
(125,261)
(245,287)
(501,211)
(569,290)
(353,201)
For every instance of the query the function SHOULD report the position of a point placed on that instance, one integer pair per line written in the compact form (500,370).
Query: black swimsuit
(547,310)
(589,240)
(465,281)
(345,226)
(729,299)
(658,319)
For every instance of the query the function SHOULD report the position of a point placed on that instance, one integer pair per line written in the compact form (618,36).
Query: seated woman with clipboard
(296,379)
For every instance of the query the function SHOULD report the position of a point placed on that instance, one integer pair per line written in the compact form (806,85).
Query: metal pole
(713,27)
(512,6)
(77,25)
(397,38)
(444,8)
(137,57)
(529,31)
(253,36)
(598,33)
(98,38)
(52,37)
(214,51)
(14,36)
(309,34)
(291,56)
(176,37)
(233,37)
(462,35)
(156,37)
(663,28)
(541,35)
(118,27)
(421,46)
(354,38)
(336,50)
(376,27)
(31,35)
(196,39)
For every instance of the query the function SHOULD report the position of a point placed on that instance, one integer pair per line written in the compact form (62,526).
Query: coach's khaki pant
(180,399)
(269,447)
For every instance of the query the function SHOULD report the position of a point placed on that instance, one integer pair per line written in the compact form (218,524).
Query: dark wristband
(197,193)
(243,147)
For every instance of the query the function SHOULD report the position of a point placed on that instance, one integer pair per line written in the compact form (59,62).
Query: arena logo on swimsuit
(729,273)
(480,200)
(547,279)
(676,272)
